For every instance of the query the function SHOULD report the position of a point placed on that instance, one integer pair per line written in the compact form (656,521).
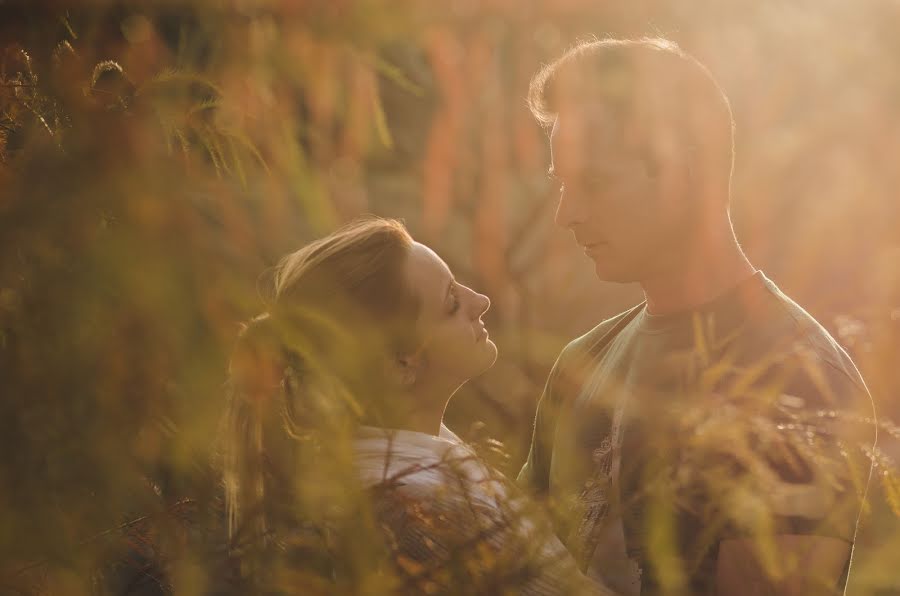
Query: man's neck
(711,269)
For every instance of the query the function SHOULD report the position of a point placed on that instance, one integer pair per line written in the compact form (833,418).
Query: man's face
(626,208)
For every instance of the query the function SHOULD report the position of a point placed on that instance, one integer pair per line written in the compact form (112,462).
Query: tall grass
(155,160)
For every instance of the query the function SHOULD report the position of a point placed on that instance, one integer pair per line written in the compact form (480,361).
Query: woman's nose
(482,304)
(476,304)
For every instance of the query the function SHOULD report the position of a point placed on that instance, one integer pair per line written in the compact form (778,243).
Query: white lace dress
(457,526)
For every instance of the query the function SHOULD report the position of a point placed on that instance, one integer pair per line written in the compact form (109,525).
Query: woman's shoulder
(446,433)
(417,461)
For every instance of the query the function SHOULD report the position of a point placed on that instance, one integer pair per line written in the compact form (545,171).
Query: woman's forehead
(428,275)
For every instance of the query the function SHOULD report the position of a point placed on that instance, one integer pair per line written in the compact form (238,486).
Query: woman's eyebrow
(449,288)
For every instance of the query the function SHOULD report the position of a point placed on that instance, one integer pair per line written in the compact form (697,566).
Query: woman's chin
(490,354)
(487,356)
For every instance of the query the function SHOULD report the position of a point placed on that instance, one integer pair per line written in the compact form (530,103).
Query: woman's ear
(406,369)
(257,367)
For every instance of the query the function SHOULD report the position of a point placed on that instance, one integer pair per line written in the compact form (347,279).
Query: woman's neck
(425,408)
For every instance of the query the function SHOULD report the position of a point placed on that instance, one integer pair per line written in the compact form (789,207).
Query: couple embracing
(710,440)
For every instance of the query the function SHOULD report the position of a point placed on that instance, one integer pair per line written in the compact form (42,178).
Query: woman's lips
(481,334)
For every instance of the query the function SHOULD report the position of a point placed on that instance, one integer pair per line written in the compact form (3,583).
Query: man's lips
(588,242)
(481,334)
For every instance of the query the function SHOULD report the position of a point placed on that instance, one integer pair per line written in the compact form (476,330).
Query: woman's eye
(454,303)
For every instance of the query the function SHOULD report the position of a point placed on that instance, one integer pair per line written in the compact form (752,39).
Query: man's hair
(646,84)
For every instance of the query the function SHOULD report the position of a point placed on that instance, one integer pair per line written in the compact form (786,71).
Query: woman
(336,463)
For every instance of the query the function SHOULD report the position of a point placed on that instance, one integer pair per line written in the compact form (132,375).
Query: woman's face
(456,346)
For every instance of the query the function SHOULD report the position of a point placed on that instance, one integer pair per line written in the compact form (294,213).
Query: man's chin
(613,272)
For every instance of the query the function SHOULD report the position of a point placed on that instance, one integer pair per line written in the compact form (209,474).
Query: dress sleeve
(475,534)
(446,433)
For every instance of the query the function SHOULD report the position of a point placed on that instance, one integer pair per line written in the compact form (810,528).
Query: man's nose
(568,211)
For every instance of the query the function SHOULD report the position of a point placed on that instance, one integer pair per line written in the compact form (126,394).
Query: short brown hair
(651,80)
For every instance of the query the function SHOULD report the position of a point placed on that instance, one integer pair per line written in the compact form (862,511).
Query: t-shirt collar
(728,309)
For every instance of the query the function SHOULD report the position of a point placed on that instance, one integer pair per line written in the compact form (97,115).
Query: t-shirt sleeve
(569,373)
(812,447)
(822,465)
(535,474)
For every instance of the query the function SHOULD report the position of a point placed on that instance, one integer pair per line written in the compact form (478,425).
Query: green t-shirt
(659,436)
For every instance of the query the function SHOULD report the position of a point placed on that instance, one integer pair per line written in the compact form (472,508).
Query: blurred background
(157,157)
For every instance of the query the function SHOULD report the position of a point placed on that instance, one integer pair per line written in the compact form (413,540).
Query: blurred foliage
(155,158)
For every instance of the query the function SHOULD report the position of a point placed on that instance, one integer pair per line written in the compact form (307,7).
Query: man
(713,439)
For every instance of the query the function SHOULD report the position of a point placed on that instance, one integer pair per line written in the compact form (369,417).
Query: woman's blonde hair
(314,361)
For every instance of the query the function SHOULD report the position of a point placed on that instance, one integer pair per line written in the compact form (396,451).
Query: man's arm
(815,516)
(791,565)
(535,474)
(568,374)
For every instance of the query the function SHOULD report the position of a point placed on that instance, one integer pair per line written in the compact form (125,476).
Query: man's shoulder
(573,366)
(795,334)
(804,359)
